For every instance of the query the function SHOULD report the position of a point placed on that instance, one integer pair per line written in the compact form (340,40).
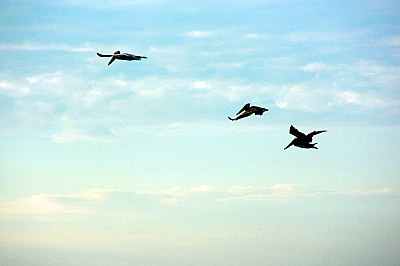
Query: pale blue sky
(136,163)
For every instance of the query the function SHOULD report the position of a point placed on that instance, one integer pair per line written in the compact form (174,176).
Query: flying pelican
(249,110)
(302,140)
(124,56)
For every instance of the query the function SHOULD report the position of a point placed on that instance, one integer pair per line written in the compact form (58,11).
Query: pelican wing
(112,60)
(296,133)
(244,108)
(311,134)
(104,55)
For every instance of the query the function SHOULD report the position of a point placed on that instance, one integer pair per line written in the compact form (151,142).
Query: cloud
(201,85)
(286,187)
(67,137)
(392,41)
(103,108)
(96,199)
(366,84)
(304,97)
(54,203)
(255,36)
(227,65)
(198,34)
(232,193)
(316,67)
(4,85)
(14,89)
(371,192)
(29,46)
(71,131)
(310,36)
(367,99)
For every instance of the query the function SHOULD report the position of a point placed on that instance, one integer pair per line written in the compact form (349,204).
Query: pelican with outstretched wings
(248,110)
(117,55)
(302,140)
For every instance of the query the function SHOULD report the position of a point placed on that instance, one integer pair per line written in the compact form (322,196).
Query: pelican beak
(290,144)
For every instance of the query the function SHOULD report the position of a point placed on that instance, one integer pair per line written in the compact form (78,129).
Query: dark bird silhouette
(248,110)
(302,140)
(124,56)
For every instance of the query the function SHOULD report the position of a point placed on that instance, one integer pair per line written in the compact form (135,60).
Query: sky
(136,163)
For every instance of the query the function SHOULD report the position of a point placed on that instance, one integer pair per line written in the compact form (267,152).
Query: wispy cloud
(309,36)
(371,192)
(67,137)
(54,203)
(103,108)
(316,67)
(30,46)
(200,34)
(255,36)
(392,41)
(366,99)
(13,89)
(92,199)
(71,132)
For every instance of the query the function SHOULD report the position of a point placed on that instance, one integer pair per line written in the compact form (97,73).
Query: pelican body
(248,110)
(302,140)
(124,56)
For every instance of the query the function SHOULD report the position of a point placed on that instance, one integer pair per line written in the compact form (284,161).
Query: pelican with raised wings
(302,140)
(248,110)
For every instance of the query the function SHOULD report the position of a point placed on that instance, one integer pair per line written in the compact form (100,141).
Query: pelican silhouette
(248,110)
(302,140)
(124,56)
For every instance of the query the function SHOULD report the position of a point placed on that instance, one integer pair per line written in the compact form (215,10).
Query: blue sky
(137,163)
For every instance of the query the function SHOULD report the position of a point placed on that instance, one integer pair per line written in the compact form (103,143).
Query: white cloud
(68,137)
(88,201)
(94,194)
(71,132)
(201,85)
(232,193)
(372,192)
(286,187)
(304,97)
(28,46)
(365,99)
(119,104)
(371,68)
(254,36)
(316,67)
(281,104)
(198,34)
(309,36)
(393,41)
(366,84)
(46,78)
(5,85)
(14,89)
(56,203)
(227,65)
